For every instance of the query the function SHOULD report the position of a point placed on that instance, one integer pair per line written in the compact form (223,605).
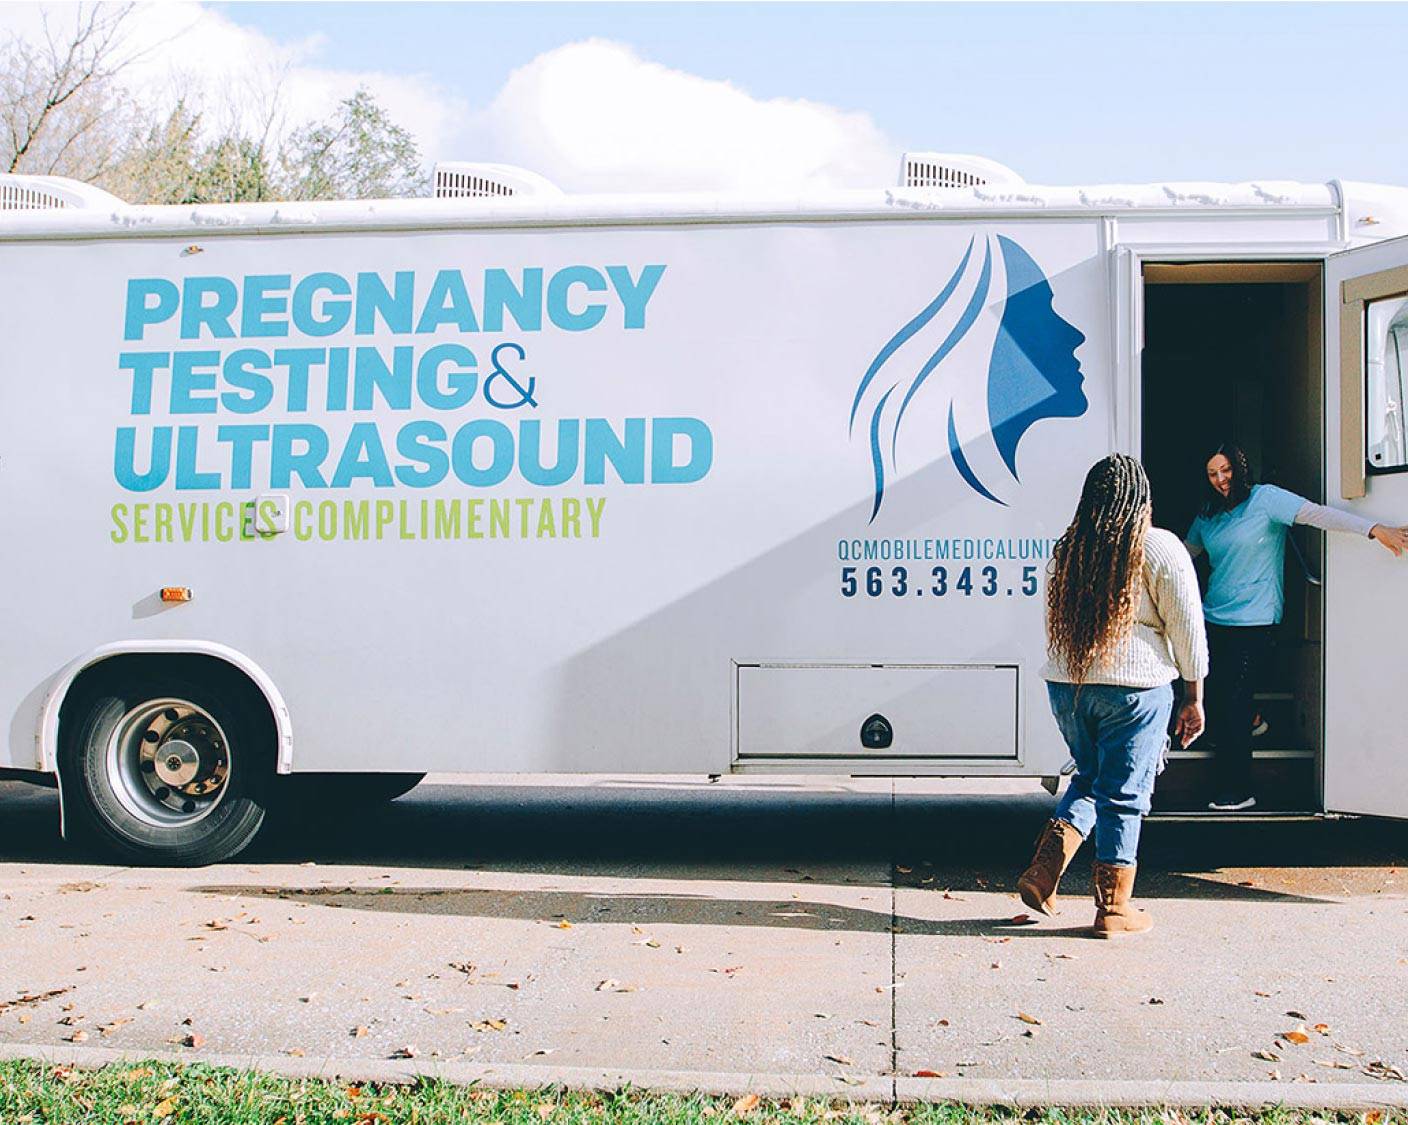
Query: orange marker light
(176,593)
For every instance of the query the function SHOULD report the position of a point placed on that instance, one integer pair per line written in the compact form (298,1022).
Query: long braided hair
(1095,585)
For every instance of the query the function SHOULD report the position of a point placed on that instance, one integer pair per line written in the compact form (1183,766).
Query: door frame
(1129,272)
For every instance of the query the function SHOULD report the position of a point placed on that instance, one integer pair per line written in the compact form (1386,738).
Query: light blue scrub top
(1247,550)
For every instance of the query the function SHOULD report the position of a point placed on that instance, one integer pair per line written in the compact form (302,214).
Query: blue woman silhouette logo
(1031,369)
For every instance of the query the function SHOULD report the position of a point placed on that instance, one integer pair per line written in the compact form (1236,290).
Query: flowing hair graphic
(983,361)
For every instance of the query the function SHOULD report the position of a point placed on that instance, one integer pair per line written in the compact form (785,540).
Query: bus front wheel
(163,771)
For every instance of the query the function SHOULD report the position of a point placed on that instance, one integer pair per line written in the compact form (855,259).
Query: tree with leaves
(360,154)
(64,112)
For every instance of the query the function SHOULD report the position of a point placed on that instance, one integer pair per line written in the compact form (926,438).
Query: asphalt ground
(845,932)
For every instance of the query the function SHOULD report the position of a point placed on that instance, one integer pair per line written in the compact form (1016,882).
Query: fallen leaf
(307,999)
(194,1039)
(165,1108)
(78,1036)
(1296,1016)
(112,1025)
(296,1052)
(29,999)
(746,1104)
(1022,920)
(358,1032)
(489,1025)
(1028,1019)
(407,1052)
(564,924)
(1261,994)
(1266,1056)
(943,1023)
(1322,1028)
(1299,1038)
(1155,1000)
(905,870)
(842,1059)
(928,1074)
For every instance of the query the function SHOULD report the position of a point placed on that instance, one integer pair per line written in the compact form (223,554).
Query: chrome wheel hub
(168,761)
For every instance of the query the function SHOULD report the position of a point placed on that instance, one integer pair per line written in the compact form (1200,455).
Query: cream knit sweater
(1168,640)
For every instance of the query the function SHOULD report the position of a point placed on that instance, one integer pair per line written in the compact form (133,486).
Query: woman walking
(1123,621)
(1243,529)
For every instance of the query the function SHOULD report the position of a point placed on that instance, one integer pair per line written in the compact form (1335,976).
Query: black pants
(1235,655)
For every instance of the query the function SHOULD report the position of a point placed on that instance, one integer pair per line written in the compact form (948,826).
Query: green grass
(33,1093)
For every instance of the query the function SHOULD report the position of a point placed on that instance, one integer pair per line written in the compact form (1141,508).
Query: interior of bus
(1232,350)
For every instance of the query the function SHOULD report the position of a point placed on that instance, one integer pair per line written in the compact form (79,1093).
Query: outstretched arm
(1326,518)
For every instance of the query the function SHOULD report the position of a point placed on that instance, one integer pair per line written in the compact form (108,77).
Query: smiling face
(1220,475)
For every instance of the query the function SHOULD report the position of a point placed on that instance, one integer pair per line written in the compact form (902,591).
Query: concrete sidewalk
(842,934)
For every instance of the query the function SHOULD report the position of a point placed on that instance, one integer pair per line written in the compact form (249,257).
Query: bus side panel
(638,459)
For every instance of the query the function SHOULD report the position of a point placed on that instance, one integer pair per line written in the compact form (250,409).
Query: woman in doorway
(1123,621)
(1243,527)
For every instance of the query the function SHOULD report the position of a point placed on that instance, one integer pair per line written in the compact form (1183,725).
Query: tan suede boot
(1114,916)
(1055,848)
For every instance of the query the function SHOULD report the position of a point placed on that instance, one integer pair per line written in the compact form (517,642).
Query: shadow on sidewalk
(802,835)
(578,908)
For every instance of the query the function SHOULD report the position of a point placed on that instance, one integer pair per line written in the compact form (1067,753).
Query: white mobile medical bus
(512,480)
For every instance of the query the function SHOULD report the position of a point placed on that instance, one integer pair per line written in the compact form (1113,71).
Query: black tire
(339,792)
(103,797)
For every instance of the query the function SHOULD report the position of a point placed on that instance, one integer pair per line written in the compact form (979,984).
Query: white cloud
(184,48)
(594,116)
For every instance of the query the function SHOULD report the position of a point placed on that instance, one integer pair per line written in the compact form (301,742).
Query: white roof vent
(952,170)
(45,193)
(488,181)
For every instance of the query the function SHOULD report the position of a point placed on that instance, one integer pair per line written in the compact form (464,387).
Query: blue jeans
(1117,737)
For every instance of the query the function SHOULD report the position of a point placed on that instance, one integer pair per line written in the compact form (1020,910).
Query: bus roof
(100,216)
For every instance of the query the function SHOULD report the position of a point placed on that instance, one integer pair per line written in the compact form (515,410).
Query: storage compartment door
(1366,588)
(877,712)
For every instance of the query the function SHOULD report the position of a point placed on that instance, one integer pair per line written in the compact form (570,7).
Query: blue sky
(1062,93)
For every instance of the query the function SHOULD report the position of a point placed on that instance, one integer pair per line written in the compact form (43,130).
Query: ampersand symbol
(525,394)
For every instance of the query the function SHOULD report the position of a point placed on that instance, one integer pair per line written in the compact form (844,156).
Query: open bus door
(1365,764)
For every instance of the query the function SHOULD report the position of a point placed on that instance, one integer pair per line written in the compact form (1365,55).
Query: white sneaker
(1232,804)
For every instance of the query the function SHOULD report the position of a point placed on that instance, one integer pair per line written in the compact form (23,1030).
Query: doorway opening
(1233,351)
